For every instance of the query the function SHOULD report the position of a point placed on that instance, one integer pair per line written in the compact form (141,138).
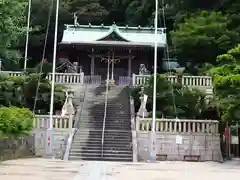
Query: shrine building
(125,47)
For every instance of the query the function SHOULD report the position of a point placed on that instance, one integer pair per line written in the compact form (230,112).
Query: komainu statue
(143,70)
(72,68)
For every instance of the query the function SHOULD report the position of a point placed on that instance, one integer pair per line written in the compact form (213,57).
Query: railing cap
(48,116)
(182,120)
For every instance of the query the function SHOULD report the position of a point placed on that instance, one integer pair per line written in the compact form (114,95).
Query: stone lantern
(179,75)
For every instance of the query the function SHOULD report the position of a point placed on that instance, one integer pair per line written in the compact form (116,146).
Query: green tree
(15,121)
(173,100)
(231,7)
(21,92)
(89,11)
(202,37)
(39,19)
(226,78)
(12,21)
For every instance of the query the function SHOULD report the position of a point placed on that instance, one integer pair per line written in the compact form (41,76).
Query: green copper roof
(74,34)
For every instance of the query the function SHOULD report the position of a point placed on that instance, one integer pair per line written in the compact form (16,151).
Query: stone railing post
(138,119)
(133,79)
(82,78)
(70,124)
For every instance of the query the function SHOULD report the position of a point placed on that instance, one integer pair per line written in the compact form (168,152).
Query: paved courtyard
(48,169)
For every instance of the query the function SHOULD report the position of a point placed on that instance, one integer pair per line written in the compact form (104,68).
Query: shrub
(21,92)
(15,121)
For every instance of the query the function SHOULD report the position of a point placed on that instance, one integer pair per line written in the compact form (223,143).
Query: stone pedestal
(142,112)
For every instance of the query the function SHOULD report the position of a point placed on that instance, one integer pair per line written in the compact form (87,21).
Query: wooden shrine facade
(126,48)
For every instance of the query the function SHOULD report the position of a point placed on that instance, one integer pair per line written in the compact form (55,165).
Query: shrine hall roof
(90,34)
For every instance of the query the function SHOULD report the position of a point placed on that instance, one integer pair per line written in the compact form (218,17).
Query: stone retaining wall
(194,147)
(16,148)
(199,140)
(59,142)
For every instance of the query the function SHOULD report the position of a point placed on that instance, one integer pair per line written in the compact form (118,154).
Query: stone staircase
(87,142)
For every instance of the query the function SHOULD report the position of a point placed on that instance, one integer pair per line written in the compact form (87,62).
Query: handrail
(75,127)
(104,118)
(105,112)
(132,112)
(133,128)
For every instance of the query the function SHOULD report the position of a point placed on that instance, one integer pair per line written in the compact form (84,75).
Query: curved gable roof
(89,34)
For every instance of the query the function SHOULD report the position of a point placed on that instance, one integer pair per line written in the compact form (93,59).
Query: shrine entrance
(119,66)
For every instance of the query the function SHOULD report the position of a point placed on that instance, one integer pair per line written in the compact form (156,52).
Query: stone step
(99,158)
(107,126)
(121,148)
(110,131)
(95,147)
(96,140)
(77,144)
(72,151)
(107,122)
(98,154)
(96,135)
(100,121)
(108,116)
(106,138)
(124,124)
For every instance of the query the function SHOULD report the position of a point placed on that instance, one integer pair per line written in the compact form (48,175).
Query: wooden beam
(115,57)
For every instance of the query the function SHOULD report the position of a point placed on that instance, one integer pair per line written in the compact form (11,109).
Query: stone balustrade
(13,73)
(67,78)
(60,78)
(193,81)
(137,80)
(59,122)
(179,126)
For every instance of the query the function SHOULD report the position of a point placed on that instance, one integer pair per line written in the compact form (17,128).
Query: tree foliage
(173,100)
(202,37)
(227,85)
(21,91)
(211,32)
(15,121)
(12,21)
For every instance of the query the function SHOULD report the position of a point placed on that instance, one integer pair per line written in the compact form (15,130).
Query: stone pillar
(129,64)
(92,62)
(112,78)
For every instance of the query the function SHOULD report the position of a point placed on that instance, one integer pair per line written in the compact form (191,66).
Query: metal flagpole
(27,34)
(153,136)
(49,133)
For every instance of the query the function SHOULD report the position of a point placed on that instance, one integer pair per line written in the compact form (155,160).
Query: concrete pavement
(48,169)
